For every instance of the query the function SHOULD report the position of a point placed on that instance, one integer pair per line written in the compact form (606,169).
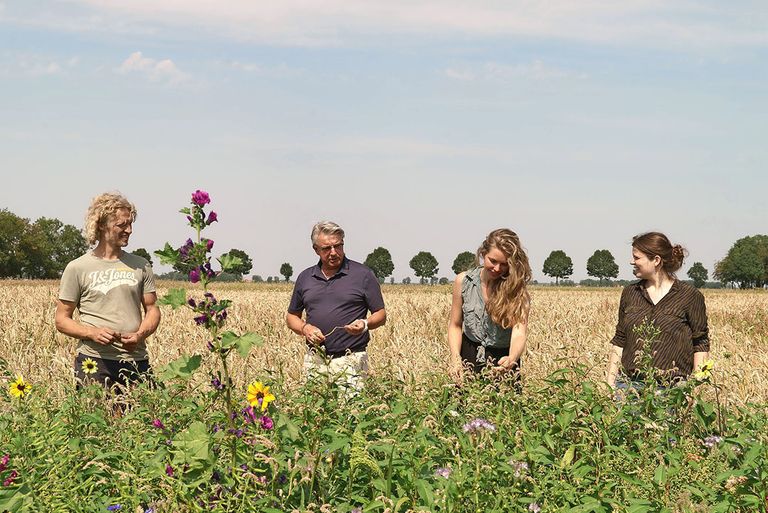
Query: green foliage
(564,444)
(236,261)
(182,367)
(558,265)
(602,265)
(37,250)
(699,274)
(143,253)
(287,271)
(464,261)
(424,265)
(746,263)
(380,262)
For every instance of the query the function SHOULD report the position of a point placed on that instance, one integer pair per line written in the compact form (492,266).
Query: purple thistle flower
(208,244)
(444,472)
(267,423)
(478,425)
(194,275)
(169,471)
(158,424)
(200,198)
(212,217)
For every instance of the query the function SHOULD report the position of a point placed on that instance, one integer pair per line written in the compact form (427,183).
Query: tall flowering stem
(194,259)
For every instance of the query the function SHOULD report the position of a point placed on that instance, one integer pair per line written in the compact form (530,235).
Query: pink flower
(4,461)
(11,478)
(169,471)
(194,275)
(208,244)
(200,198)
(158,424)
(267,423)
(211,217)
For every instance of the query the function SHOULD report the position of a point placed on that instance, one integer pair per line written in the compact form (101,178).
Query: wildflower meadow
(228,423)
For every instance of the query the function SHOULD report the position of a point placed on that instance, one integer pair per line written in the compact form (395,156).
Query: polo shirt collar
(344,269)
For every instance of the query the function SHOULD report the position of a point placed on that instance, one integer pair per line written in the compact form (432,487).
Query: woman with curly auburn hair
(675,308)
(489,310)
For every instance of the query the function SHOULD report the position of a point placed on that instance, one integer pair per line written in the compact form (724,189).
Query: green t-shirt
(108,294)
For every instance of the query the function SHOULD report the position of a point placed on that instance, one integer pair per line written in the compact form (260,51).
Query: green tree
(245,265)
(143,253)
(464,261)
(558,265)
(424,265)
(602,265)
(699,274)
(286,270)
(12,228)
(380,262)
(746,263)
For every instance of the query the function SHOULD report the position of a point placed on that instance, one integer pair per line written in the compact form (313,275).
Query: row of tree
(42,249)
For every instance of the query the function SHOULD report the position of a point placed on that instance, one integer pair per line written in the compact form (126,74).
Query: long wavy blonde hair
(508,300)
(102,208)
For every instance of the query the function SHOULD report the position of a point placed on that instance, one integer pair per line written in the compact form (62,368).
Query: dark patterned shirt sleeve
(620,338)
(697,318)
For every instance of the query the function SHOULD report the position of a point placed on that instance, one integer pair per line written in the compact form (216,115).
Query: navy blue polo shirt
(347,296)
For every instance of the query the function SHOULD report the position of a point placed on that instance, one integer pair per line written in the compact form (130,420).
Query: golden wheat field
(568,326)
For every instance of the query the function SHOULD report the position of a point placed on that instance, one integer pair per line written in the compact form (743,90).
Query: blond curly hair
(102,208)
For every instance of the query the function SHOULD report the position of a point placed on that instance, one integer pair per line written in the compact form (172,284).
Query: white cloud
(499,72)
(156,71)
(14,64)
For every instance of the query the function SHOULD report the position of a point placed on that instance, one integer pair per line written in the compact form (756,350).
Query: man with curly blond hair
(109,287)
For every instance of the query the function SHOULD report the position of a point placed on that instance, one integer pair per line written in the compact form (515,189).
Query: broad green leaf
(192,447)
(568,457)
(15,500)
(425,491)
(182,367)
(174,298)
(228,262)
(245,342)
(168,255)
(660,476)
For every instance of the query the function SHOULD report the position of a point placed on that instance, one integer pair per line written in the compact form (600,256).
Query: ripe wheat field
(568,327)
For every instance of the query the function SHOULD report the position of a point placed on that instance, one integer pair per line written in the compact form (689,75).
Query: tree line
(41,249)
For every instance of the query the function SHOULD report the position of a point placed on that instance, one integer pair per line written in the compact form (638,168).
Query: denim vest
(478,326)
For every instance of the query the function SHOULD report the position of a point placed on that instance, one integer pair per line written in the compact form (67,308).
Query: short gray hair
(326,228)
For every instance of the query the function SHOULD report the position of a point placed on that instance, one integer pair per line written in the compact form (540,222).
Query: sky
(416,125)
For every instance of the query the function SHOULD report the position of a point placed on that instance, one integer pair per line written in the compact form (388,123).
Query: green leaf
(168,255)
(14,500)
(192,447)
(229,262)
(174,298)
(425,492)
(568,457)
(660,476)
(185,210)
(182,367)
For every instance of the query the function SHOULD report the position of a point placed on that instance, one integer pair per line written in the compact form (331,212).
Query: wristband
(365,321)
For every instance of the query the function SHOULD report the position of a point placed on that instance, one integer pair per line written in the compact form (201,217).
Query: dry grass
(568,327)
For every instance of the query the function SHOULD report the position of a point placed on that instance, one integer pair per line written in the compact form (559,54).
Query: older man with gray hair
(337,295)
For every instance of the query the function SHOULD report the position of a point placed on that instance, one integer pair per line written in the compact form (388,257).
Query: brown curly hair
(102,208)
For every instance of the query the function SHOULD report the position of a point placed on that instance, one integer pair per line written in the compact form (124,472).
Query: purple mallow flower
(217,384)
(169,471)
(267,423)
(11,478)
(4,462)
(194,275)
(208,244)
(478,425)
(443,472)
(212,217)
(200,198)
(249,416)
(158,424)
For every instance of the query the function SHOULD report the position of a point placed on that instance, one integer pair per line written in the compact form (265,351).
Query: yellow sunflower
(89,366)
(705,371)
(259,395)
(19,388)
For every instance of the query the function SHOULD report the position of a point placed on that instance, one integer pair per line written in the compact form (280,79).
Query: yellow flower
(705,371)
(89,366)
(259,395)
(19,388)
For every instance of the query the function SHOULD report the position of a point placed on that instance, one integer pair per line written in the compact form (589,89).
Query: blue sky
(415,125)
